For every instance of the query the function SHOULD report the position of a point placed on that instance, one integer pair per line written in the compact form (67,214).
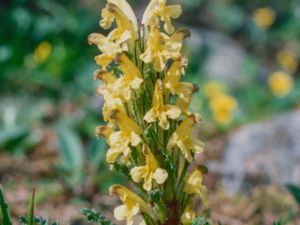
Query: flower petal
(160,175)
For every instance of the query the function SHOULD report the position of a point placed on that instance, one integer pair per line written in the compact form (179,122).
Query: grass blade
(30,216)
(5,214)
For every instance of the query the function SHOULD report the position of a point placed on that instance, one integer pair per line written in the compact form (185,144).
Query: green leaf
(295,192)
(200,221)
(155,195)
(96,152)
(71,154)
(5,217)
(94,217)
(71,149)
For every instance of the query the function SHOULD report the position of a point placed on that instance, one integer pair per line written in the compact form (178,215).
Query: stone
(224,60)
(263,153)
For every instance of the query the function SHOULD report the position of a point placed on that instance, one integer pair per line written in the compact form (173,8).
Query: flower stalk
(149,126)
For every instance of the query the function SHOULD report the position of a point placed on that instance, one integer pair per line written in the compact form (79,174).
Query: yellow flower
(172,80)
(287,59)
(213,89)
(110,94)
(42,52)
(161,111)
(280,83)
(264,17)
(194,185)
(160,47)
(183,104)
(119,141)
(182,138)
(104,131)
(222,107)
(158,9)
(109,46)
(132,204)
(188,216)
(149,172)
(131,79)
(121,12)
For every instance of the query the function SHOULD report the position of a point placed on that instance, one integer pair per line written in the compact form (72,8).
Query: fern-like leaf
(94,217)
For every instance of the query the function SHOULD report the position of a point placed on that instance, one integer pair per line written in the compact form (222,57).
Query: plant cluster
(149,126)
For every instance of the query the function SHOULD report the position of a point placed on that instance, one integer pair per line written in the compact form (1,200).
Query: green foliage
(295,192)
(200,221)
(72,155)
(5,217)
(95,218)
(38,221)
(30,219)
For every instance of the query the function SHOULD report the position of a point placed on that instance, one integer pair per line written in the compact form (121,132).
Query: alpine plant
(149,126)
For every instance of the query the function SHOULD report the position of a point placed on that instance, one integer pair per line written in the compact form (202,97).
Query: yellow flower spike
(288,60)
(222,107)
(194,185)
(132,77)
(188,216)
(172,80)
(149,172)
(158,8)
(132,204)
(280,83)
(182,138)
(161,111)
(120,13)
(119,141)
(160,47)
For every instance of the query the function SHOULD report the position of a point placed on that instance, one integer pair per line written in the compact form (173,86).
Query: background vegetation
(243,57)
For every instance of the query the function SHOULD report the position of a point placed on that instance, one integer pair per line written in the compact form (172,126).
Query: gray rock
(263,153)
(225,57)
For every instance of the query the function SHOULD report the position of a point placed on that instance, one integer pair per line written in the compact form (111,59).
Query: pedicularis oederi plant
(149,126)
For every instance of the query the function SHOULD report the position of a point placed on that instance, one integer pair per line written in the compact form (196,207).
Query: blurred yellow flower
(288,60)
(188,215)
(222,107)
(149,172)
(132,204)
(264,17)
(213,89)
(42,52)
(280,83)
